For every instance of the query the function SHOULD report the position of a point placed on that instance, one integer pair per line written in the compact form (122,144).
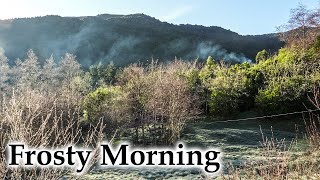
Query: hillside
(125,39)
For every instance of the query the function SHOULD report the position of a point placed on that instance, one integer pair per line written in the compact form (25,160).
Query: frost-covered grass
(239,141)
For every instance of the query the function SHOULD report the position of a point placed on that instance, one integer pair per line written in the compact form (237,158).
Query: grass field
(239,141)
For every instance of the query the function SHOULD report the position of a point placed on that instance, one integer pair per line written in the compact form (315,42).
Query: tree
(27,72)
(96,103)
(261,56)
(230,90)
(208,71)
(4,71)
(159,100)
(69,68)
(302,28)
(69,75)
(102,74)
(50,75)
(170,99)
(210,61)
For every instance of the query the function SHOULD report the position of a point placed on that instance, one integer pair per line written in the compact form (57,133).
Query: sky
(241,16)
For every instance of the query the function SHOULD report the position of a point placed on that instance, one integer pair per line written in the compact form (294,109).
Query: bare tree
(302,27)
(35,119)
(160,101)
(42,109)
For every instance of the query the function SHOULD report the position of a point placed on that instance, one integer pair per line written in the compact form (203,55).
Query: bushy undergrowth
(279,160)
(40,106)
(153,102)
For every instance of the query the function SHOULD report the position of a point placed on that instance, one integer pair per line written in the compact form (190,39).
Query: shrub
(99,101)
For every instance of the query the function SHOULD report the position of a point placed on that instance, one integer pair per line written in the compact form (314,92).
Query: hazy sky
(242,16)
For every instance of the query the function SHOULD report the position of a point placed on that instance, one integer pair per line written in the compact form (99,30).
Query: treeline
(156,100)
(152,103)
(277,83)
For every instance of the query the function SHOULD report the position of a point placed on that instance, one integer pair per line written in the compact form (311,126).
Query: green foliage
(208,71)
(261,56)
(286,56)
(210,61)
(230,90)
(313,53)
(283,95)
(273,85)
(193,78)
(102,74)
(98,101)
(286,81)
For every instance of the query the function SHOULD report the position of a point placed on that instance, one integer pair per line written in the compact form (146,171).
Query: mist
(206,49)
(135,38)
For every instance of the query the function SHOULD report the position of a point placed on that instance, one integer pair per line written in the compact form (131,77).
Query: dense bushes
(230,90)
(153,102)
(275,84)
(99,101)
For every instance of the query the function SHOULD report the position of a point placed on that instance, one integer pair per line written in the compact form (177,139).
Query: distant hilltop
(125,39)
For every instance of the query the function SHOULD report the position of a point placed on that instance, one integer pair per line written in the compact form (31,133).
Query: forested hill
(125,39)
